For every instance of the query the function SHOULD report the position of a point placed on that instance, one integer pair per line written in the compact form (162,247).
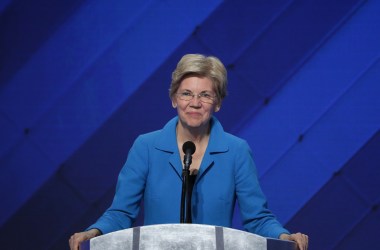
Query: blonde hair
(203,66)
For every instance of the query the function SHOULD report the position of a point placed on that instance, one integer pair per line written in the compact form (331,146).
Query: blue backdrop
(79,80)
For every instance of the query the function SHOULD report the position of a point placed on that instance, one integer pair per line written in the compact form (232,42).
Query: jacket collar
(167,142)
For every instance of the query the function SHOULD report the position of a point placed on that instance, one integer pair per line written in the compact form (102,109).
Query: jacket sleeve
(129,191)
(256,216)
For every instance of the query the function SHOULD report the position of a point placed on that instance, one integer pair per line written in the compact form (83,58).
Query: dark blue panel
(363,171)
(236,24)
(288,42)
(48,214)
(241,102)
(329,214)
(9,135)
(80,219)
(192,45)
(23,171)
(365,235)
(31,21)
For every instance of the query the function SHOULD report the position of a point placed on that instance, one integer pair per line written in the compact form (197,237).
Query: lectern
(184,237)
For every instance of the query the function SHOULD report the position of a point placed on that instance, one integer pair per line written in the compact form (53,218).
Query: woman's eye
(205,95)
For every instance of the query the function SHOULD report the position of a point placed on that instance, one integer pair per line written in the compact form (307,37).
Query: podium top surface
(185,236)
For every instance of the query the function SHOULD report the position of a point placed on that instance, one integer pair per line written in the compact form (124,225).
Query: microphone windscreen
(188,147)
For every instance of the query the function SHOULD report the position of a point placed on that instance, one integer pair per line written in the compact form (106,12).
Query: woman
(222,167)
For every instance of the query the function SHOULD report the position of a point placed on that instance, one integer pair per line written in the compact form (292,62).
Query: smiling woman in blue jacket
(222,170)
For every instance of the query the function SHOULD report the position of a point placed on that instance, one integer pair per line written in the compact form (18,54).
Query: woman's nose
(196,101)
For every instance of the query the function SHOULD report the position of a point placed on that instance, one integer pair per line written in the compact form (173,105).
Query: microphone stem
(185,196)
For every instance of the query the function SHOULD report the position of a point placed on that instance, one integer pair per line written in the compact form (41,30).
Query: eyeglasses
(203,96)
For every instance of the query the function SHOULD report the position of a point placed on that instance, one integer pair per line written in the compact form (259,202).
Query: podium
(184,237)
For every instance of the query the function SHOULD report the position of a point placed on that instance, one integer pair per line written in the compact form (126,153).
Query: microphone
(188,148)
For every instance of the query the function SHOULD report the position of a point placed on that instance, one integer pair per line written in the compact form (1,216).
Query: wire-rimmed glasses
(204,96)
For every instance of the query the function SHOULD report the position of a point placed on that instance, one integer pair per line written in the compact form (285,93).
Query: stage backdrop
(79,80)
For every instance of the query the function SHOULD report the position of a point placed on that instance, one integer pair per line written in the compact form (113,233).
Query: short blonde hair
(203,66)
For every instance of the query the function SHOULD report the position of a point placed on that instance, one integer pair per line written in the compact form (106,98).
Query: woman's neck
(196,135)
(200,137)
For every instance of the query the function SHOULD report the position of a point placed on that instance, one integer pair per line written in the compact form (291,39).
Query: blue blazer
(153,172)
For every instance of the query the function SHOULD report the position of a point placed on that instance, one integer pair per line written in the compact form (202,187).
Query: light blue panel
(293,181)
(327,146)
(64,57)
(114,76)
(315,88)
(352,121)
(23,170)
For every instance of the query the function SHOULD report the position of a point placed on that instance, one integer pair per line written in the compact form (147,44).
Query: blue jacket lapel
(216,145)
(167,142)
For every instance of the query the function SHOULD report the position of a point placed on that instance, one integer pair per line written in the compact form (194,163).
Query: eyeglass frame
(192,95)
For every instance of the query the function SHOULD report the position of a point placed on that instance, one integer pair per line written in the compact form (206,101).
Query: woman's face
(195,113)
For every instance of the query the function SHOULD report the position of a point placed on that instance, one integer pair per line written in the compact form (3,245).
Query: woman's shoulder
(236,142)
(166,131)
(149,137)
(234,138)
(227,139)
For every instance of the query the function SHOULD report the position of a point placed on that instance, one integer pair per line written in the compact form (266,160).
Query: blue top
(153,172)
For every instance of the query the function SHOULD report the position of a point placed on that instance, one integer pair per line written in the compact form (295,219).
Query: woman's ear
(217,108)
(174,104)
